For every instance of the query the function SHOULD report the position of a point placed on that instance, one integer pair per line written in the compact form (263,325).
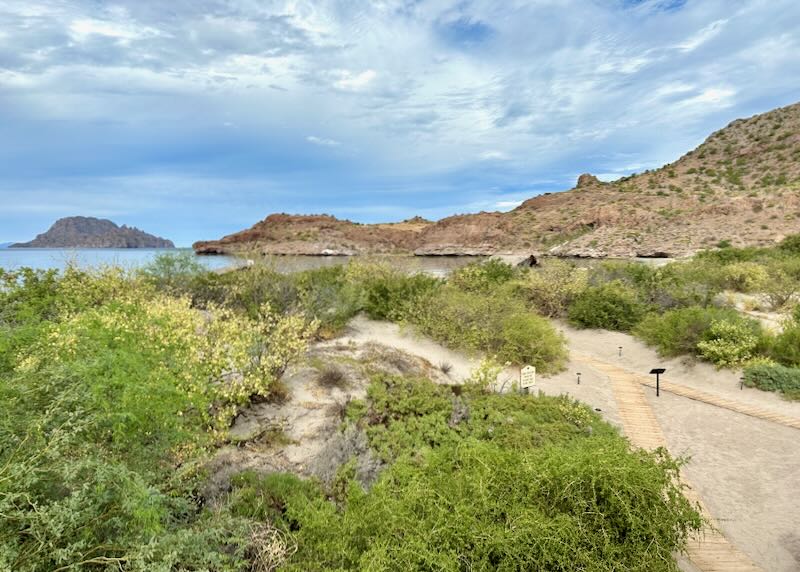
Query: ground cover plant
(480,481)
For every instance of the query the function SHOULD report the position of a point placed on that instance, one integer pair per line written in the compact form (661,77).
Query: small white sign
(527,377)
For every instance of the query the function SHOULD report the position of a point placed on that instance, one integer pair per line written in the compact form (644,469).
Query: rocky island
(90,232)
(741,186)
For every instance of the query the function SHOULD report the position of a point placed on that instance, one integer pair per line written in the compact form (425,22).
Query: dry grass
(332,376)
(270,548)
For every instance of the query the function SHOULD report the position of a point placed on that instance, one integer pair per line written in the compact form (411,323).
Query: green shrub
(493,323)
(392,296)
(105,414)
(790,244)
(677,332)
(744,276)
(730,343)
(774,377)
(482,276)
(516,483)
(785,347)
(553,287)
(612,306)
(173,272)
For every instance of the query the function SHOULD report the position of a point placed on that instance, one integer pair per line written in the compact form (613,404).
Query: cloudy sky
(195,118)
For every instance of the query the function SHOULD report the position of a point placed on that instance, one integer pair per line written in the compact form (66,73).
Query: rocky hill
(742,186)
(89,232)
(319,235)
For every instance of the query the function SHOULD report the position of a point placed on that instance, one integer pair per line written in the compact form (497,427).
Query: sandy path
(745,469)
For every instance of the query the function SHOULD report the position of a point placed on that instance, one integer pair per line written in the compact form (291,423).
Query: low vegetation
(116,388)
(480,481)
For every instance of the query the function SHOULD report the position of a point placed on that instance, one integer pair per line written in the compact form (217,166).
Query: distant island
(5,244)
(90,232)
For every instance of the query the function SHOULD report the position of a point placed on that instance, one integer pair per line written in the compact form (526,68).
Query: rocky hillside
(742,186)
(88,232)
(319,235)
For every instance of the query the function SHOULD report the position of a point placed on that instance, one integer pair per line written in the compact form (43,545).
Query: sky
(192,119)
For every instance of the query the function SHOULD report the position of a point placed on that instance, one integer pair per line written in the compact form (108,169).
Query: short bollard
(579,379)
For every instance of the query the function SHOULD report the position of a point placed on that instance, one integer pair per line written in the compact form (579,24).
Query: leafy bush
(173,272)
(774,377)
(678,332)
(517,484)
(785,347)
(744,276)
(612,306)
(553,287)
(391,296)
(105,412)
(482,276)
(790,244)
(493,323)
(730,343)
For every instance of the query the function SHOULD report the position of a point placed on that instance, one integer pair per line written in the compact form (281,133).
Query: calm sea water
(43,258)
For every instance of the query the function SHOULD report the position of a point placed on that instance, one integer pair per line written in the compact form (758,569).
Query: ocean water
(131,258)
(59,258)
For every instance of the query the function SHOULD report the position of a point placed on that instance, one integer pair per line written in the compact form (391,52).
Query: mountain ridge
(740,186)
(90,232)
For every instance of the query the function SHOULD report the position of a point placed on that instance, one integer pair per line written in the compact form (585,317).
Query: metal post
(620,351)
(579,379)
(657,371)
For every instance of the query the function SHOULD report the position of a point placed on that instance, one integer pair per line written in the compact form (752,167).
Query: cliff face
(741,185)
(88,232)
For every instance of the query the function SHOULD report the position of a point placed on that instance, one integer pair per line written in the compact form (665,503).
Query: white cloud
(507,205)
(349,81)
(322,142)
(703,36)
(493,155)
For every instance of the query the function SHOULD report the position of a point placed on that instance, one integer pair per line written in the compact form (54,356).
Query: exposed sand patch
(300,434)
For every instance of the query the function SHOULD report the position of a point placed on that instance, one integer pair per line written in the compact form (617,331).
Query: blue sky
(196,118)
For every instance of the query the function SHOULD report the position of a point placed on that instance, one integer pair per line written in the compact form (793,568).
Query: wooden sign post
(527,377)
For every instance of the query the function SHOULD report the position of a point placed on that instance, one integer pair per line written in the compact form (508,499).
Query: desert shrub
(790,244)
(785,347)
(391,298)
(774,377)
(744,276)
(326,295)
(553,287)
(105,413)
(781,288)
(612,306)
(174,272)
(482,276)
(677,332)
(494,323)
(730,343)
(517,484)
